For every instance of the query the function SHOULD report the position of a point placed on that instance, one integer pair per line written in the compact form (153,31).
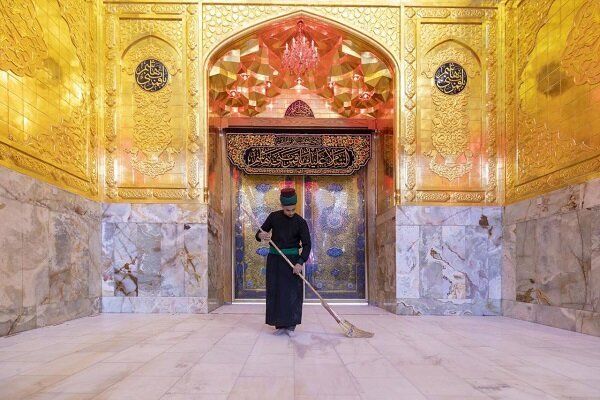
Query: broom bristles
(352,331)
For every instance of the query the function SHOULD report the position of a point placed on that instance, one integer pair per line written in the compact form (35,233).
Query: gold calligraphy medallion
(450,78)
(151,75)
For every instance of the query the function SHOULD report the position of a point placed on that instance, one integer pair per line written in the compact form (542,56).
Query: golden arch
(388,56)
(147,36)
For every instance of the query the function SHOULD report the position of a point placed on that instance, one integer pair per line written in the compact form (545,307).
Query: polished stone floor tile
(230,354)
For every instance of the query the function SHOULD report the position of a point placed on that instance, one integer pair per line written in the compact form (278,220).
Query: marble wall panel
(432,265)
(36,255)
(195,259)
(69,257)
(555,262)
(215,260)
(171,273)
(526,282)
(448,260)
(575,249)
(590,196)
(172,305)
(509,259)
(382,280)
(157,254)
(155,213)
(49,254)
(149,239)
(594,286)
(546,245)
(11,247)
(428,306)
(407,262)
(106,258)
(95,264)
(587,322)
(553,203)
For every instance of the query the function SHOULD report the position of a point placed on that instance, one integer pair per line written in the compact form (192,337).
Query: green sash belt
(288,252)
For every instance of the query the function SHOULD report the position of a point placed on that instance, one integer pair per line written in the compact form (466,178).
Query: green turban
(288,197)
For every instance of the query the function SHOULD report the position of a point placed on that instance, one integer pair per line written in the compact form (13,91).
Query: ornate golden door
(334,208)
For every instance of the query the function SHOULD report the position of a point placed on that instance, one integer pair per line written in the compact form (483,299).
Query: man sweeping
(289,232)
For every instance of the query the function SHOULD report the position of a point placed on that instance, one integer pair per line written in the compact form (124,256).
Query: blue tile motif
(262,251)
(335,187)
(334,252)
(263,187)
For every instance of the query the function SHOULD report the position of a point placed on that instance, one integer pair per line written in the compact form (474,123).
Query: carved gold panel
(552,92)
(449,137)
(48,119)
(152,143)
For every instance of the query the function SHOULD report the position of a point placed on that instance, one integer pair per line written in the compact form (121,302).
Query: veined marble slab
(551,261)
(448,260)
(173,305)
(49,254)
(155,213)
(156,253)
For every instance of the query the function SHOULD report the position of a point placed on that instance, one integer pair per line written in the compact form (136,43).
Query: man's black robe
(284,288)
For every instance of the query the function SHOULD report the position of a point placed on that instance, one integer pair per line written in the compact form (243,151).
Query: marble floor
(231,354)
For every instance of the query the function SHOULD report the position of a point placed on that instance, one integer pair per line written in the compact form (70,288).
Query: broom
(350,330)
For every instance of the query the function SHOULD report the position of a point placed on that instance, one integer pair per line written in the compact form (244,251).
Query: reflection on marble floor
(232,355)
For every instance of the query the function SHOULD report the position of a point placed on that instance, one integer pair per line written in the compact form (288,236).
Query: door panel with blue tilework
(334,208)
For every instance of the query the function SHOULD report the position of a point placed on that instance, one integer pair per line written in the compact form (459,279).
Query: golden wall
(153,144)
(552,95)
(48,80)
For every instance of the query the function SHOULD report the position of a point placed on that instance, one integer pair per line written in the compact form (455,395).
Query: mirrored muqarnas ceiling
(248,75)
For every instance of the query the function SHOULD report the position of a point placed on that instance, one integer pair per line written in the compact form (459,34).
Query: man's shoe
(279,332)
(290,333)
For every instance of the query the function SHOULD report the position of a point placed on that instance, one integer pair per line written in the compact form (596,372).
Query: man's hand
(264,236)
(298,269)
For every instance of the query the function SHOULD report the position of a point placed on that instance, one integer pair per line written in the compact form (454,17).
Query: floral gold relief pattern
(195,142)
(46,50)
(535,14)
(22,45)
(449,138)
(154,134)
(410,75)
(433,34)
(165,29)
(550,129)
(221,21)
(580,57)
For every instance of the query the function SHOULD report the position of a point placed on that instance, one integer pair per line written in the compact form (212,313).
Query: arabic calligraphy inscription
(299,154)
(299,109)
(450,78)
(151,75)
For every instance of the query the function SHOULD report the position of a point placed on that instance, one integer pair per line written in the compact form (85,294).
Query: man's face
(289,211)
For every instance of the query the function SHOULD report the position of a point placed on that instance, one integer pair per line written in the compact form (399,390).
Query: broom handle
(323,302)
